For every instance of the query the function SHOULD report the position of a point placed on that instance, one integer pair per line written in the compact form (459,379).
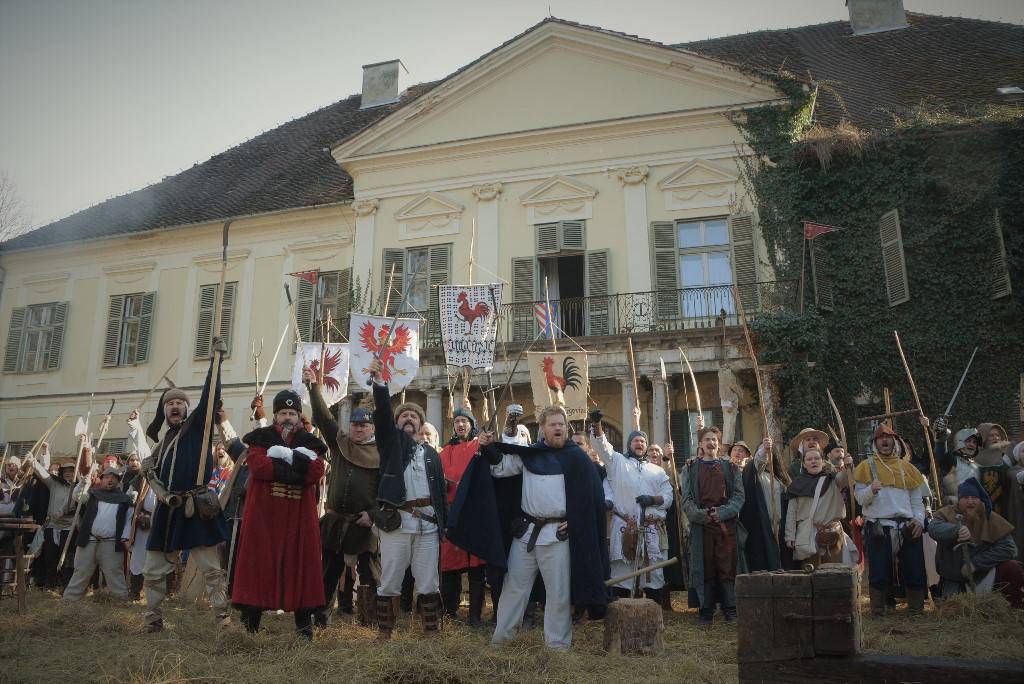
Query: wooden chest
(837,623)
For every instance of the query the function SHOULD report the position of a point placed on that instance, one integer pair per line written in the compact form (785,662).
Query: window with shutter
(56,350)
(112,342)
(1000,274)
(227,315)
(15,334)
(344,302)
(821,278)
(440,274)
(574,237)
(742,232)
(524,293)
(305,304)
(117,446)
(893,260)
(683,424)
(145,327)
(548,240)
(393,258)
(598,314)
(665,262)
(204,325)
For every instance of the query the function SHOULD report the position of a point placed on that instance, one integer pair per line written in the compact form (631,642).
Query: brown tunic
(719,538)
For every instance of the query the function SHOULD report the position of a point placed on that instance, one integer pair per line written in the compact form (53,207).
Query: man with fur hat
(455,457)
(976,550)
(712,491)
(60,513)
(173,467)
(641,497)
(892,493)
(413,507)
(279,550)
(346,528)
(105,522)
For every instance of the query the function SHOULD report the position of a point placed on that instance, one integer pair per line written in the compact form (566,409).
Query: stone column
(487,229)
(345,411)
(730,403)
(659,415)
(638,255)
(628,402)
(435,412)
(366,210)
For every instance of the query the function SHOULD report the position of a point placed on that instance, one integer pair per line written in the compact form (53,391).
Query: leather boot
(451,592)
(729,601)
(366,605)
(476,599)
(431,613)
(135,587)
(915,601)
(385,616)
(877,597)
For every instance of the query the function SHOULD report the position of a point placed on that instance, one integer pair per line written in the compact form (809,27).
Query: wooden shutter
(145,327)
(893,260)
(60,317)
(822,279)
(744,260)
(547,238)
(597,288)
(15,334)
(204,324)
(344,305)
(1000,274)
(574,236)
(524,288)
(227,314)
(679,428)
(439,260)
(112,343)
(305,303)
(665,262)
(396,258)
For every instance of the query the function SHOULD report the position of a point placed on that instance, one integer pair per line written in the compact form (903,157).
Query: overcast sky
(101,97)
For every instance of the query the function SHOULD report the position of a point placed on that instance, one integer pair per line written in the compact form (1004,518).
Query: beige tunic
(830,507)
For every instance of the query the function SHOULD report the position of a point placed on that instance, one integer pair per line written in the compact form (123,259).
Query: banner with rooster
(560,378)
(399,352)
(332,374)
(469,323)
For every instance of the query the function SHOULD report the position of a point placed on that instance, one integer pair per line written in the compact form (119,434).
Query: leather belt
(412,508)
(285,491)
(538,524)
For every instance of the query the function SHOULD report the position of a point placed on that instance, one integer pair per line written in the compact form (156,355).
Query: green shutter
(305,302)
(597,289)
(204,324)
(145,327)
(1000,274)
(15,335)
(439,259)
(60,318)
(744,260)
(227,314)
(822,279)
(547,238)
(392,258)
(665,262)
(524,288)
(344,306)
(112,342)
(893,260)
(574,236)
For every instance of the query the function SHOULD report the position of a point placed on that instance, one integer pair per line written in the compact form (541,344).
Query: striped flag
(540,312)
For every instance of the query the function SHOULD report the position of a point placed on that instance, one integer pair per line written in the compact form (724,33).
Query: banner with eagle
(329,364)
(560,378)
(469,323)
(399,352)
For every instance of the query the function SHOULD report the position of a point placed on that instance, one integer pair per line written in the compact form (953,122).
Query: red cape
(278,565)
(455,458)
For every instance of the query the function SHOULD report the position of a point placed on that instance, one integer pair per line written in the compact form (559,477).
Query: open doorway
(566,289)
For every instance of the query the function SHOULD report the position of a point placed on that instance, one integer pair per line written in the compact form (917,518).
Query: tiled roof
(945,60)
(948,61)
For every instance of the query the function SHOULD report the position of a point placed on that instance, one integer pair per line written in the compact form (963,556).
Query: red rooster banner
(469,323)
(398,352)
(560,378)
(332,374)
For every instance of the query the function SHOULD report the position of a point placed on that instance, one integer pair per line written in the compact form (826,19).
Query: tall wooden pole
(927,437)
(217,358)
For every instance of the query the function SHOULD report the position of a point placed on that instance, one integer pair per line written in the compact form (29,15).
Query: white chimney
(380,83)
(875,16)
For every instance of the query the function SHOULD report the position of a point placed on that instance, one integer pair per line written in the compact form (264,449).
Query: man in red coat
(455,457)
(278,565)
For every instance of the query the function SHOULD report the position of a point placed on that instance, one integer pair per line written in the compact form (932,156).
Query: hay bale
(634,627)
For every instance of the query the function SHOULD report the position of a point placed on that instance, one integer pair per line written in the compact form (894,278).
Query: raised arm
(138,436)
(322,418)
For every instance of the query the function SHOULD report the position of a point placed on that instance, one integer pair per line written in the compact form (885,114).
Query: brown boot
(431,612)
(385,616)
(877,597)
(915,601)
(366,606)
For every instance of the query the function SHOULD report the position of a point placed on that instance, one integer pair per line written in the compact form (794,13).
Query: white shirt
(629,478)
(104,525)
(543,496)
(417,487)
(892,502)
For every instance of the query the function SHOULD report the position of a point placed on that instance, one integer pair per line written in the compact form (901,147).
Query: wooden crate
(775,611)
(837,622)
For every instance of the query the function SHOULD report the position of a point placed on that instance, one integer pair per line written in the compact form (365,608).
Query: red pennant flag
(310,277)
(813,230)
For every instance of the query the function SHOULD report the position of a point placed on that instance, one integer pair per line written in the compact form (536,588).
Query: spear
(674,473)
(842,443)
(917,402)
(153,388)
(270,371)
(218,356)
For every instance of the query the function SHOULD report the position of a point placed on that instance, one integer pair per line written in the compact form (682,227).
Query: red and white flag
(813,230)
(310,277)
(400,356)
(332,377)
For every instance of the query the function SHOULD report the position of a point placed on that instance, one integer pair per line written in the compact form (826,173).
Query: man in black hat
(103,529)
(346,528)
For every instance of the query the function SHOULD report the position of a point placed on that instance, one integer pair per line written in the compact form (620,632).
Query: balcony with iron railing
(635,313)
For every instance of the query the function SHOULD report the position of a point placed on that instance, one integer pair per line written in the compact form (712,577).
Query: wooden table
(18,527)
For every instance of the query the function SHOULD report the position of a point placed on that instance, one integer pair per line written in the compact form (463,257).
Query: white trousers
(95,554)
(553,562)
(400,550)
(159,565)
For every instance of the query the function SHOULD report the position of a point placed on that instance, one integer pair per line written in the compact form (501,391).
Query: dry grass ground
(100,640)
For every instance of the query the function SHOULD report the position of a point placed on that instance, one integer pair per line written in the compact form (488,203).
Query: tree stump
(634,627)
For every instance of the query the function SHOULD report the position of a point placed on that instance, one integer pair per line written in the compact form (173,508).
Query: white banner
(401,357)
(469,323)
(332,374)
(560,378)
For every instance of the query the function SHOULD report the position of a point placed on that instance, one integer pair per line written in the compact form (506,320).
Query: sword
(394,321)
(963,377)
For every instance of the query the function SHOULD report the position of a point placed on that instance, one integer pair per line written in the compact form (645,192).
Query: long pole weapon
(917,402)
(217,358)
(153,388)
(87,483)
(295,325)
(43,438)
(262,388)
(960,384)
(674,472)
(842,443)
(394,321)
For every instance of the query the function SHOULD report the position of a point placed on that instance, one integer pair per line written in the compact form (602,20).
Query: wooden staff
(760,402)
(842,443)
(217,358)
(632,368)
(262,388)
(550,317)
(153,388)
(673,472)
(889,416)
(31,452)
(650,568)
(693,379)
(917,401)
(887,403)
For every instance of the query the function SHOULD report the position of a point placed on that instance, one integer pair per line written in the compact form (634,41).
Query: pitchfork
(256,362)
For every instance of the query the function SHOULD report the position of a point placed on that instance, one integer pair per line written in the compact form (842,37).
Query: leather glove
(257,406)
(596,416)
(645,500)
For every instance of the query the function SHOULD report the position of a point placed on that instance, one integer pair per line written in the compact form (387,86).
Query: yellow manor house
(606,165)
